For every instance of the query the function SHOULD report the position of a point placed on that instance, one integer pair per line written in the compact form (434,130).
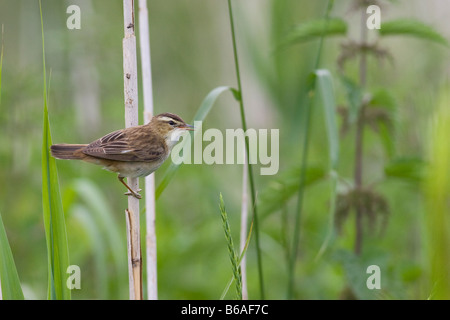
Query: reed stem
(131,120)
(150,212)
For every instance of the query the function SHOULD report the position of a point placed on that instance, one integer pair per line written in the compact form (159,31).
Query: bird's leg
(133,193)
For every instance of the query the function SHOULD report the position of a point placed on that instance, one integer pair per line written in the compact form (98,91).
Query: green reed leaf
(55,228)
(9,279)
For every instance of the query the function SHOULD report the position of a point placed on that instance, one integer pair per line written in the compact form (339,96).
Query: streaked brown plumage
(132,152)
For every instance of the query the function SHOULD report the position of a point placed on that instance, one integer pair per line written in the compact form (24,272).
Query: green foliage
(413,28)
(355,271)
(1,65)
(9,279)
(406,169)
(93,211)
(251,179)
(354,98)
(401,162)
(380,116)
(324,88)
(55,228)
(281,189)
(231,250)
(241,257)
(315,29)
(436,186)
(200,115)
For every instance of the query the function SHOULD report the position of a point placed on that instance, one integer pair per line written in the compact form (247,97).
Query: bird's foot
(134,194)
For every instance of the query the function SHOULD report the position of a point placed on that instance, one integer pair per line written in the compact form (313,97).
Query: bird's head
(170,126)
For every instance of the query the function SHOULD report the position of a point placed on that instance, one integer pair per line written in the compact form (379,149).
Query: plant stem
(249,166)
(150,212)
(305,143)
(243,232)
(131,120)
(359,137)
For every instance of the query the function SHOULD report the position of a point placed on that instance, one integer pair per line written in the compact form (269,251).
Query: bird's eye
(171,123)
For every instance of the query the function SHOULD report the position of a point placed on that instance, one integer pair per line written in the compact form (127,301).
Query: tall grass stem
(249,166)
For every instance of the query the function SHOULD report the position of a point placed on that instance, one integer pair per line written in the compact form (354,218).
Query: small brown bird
(132,152)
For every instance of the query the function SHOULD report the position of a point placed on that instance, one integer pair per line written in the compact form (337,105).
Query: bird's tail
(67,151)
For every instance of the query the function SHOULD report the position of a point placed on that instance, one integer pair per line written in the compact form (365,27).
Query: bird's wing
(126,145)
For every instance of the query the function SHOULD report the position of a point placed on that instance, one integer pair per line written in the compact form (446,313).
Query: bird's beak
(189,127)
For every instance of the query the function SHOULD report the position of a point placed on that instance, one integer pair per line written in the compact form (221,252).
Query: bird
(131,152)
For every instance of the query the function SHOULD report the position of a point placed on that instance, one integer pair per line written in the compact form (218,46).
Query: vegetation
(364,158)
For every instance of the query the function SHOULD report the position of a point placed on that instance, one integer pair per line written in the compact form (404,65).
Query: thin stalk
(305,145)
(249,166)
(150,212)
(359,137)
(131,120)
(243,233)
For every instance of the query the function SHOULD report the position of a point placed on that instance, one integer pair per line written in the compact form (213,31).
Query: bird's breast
(134,169)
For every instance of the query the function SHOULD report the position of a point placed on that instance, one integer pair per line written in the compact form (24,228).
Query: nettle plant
(366,108)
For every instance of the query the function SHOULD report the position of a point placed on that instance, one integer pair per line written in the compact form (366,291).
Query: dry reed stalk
(131,120)
(243,233)
(144,41)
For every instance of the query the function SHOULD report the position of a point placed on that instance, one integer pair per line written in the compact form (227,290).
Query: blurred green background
(192,53)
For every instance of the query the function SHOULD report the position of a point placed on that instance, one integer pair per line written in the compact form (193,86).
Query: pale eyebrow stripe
(167,119)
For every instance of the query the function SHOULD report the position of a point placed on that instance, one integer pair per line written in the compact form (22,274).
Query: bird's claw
(134,194)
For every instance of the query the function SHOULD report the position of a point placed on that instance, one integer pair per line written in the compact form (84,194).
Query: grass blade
(324,87)
(239,97)
(436,186)
(315,29)
(414,28)
(100,222)
(55,228)
(10,285)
